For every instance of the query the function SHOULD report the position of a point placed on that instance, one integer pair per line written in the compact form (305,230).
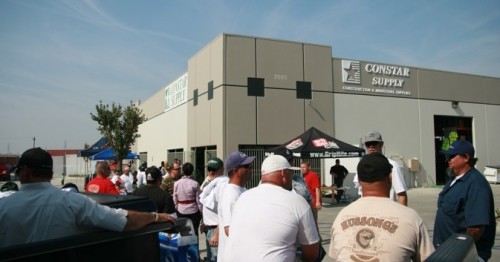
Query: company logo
(295,144)
(321,142)
(351,72)
(365,237)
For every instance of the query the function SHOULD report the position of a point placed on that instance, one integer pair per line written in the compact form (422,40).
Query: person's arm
(318,198)
(355,181)
(164,184)
(169,204)
(174,195)
(399,184)
(403,198)
(310,252)
(112,190)
(137,220)
(214,240)
(476,232)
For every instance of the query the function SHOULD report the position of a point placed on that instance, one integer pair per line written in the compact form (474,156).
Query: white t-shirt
(379,229)
(209,198)
(398,181)
(267,224)
(228,194)
(141,178)
(128,182)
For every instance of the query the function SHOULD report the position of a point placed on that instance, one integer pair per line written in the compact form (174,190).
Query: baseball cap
(285,152)
(237,159)
(9,186)
(215,163)
(460,147)
(35,158)
(373,167)
(153,173)
(373,136)
(274,163)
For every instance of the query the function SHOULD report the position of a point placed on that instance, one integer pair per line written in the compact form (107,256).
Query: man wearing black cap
(375,228)
(465,205)
(163,200)
(39,211)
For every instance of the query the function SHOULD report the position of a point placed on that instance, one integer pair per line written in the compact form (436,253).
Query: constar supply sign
(376,79)
(176,93)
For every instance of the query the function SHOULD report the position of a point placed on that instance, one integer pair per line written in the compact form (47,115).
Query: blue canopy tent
(97,147)
(109,154)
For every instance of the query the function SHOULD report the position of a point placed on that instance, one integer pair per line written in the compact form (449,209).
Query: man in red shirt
(314,186)
(101,183)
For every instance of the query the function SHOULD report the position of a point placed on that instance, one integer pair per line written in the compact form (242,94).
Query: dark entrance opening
(448,129)
(201,157)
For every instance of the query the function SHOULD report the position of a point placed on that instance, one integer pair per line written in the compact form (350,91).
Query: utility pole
(34,142)
(64,165)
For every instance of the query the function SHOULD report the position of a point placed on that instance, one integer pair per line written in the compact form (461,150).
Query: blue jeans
(211,251)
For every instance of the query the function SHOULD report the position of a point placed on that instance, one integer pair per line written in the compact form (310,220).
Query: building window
(210,90)
(304,90)
(195,97)
(255,86)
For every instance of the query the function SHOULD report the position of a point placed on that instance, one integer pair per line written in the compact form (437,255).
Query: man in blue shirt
(465,205)
(39,211)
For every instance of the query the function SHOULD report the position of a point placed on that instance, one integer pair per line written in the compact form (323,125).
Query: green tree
(119,126)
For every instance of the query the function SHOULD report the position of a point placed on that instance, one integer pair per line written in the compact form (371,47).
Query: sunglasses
(245,166)
(453,156)
(372,144)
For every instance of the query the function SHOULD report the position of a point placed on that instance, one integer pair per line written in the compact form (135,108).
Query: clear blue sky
(58,58)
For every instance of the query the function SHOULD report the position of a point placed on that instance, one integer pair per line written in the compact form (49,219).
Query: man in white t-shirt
(375,228)
(141,176)
(239,169)
(270,220)
(209,199)
(375,144)
(128,180)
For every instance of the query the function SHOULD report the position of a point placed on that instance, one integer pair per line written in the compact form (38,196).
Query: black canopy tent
(315,144)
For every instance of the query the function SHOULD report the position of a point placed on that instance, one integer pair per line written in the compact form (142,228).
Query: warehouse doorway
(448,129)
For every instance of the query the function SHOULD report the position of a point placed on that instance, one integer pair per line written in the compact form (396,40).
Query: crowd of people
(274,221)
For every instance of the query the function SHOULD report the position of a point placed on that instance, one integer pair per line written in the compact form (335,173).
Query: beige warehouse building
(248,93)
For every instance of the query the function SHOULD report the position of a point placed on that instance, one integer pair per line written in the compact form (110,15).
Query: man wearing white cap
(270,220)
